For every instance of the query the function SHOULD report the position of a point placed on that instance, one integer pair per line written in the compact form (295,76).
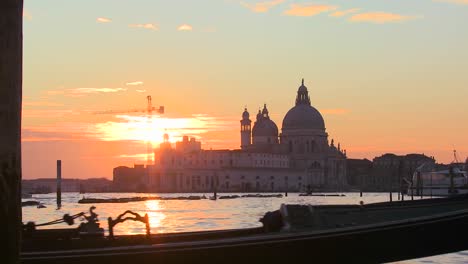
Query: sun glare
(140,128)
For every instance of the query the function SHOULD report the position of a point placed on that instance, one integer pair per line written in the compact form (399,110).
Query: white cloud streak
(103,20)
(149,26)
(185,27)
(134,83)
(262,7)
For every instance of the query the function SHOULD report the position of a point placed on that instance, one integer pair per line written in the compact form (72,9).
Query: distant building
(48,185)
(127,179)
(390,171)
(359,173)
(299,158)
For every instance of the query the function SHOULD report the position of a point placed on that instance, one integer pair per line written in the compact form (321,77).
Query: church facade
(299,158)
(303,139)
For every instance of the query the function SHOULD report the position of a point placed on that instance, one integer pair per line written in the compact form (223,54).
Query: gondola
(371,233)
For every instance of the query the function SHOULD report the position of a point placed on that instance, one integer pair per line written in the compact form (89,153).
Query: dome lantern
(302,95)
(245,114)
(303,115)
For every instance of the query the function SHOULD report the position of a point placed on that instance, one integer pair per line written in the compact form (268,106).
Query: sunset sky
(388,76)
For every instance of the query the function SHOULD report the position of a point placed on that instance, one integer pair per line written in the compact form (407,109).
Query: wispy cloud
(335,111)
(185,27)
(40,103)
(59,131)
(103,20)
(141,156)
(134,83)
(140,90)
(95,90)
(459,2)
(308,9)
(379,17)
(78,92)
(344,12)
(46,113)
(211,130)
(145,26)
(27,15)
(262,7)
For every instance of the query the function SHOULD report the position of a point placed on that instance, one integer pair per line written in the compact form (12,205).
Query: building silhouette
(386,172)
(297,159)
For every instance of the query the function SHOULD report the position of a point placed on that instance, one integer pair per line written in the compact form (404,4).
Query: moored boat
(452,180)
(377,232)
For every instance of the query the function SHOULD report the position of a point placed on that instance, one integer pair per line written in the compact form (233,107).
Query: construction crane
(160,110)
(149,147)
(149,110)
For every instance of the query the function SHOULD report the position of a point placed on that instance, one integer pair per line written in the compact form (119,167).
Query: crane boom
(149,111)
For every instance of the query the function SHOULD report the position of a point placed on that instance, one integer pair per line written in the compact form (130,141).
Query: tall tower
(246,129)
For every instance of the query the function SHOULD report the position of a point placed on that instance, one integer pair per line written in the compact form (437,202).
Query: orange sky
(387,76)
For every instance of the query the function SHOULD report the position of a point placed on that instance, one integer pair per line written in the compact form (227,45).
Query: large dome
(303,115)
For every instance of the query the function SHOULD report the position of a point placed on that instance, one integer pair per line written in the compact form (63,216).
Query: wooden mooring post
(11,65)
(59,184)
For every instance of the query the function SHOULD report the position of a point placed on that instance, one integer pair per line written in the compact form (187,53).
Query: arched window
(290,146)
(313,146)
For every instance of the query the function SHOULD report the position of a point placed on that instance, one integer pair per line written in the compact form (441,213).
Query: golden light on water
(155,213)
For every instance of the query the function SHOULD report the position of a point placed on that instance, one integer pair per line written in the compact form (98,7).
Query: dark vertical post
(11,64)
(400,171)
(360,184)
(452,187)
(421,184)
(399,191)
(431,186)
(110,225)
(59,184)
(213,186)
(391,178)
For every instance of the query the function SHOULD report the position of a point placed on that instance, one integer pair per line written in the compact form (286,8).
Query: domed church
(299,158)
(303,138)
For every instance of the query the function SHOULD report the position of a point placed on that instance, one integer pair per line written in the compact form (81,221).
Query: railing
(121,219)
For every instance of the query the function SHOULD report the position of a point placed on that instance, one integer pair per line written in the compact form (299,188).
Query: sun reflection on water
(155,214)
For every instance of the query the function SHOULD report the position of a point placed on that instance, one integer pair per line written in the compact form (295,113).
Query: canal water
(195,215)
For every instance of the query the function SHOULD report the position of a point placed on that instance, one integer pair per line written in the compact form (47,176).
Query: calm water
(194,215)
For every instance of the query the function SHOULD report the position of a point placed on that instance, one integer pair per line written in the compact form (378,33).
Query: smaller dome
(259,115)
(266,128)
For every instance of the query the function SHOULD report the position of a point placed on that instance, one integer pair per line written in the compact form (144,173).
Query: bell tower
(246,130)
